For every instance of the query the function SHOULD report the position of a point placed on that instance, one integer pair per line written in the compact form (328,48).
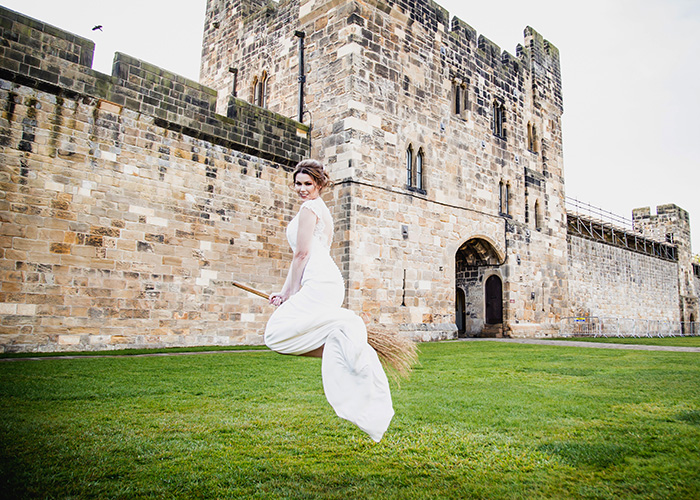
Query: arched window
(498,119)
(503,198)
(415,164)
(260,90)
(419,170)
(500,197)
(459,97)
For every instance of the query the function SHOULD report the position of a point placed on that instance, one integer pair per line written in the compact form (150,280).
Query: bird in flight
(98,27)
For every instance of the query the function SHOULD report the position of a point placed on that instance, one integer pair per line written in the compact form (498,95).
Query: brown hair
(315,170)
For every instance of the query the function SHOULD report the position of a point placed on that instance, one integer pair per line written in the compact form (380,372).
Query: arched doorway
(494,300)
(479,289)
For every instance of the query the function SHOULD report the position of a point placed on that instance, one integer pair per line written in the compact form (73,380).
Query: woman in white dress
(311,322)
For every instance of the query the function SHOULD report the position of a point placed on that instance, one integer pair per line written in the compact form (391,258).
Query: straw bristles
(398,354)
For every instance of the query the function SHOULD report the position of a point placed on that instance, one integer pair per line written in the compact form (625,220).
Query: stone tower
(672,224)
(446,152)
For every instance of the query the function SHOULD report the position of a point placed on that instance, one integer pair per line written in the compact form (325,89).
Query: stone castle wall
(381,78)
(607,281)
(130,202)
(672,224)
(128,207)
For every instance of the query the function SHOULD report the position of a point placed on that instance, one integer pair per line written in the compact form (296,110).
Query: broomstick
(397,354)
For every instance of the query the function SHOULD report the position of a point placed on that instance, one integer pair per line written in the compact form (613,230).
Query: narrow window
(500,197)
(409,166)
(260,90)
(507,200)
(498,119)
(257,91)
(538,216)
(459,98)
(457,92)
(419,170)
(530,143)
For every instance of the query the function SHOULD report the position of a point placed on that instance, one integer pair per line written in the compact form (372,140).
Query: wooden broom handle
(252,290)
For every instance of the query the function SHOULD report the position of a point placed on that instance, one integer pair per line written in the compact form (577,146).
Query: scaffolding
(588,221)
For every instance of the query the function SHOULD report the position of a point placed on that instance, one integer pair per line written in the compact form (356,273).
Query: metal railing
(594,326)
(597,214)
(588,221)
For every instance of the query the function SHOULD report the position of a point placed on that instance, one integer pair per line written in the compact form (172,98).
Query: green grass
(130,352)
(476,420)
(662,341)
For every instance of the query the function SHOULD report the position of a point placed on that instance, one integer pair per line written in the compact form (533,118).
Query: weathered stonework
(672,224)
(606,281)
(128,206)
(130,202)
(380,79)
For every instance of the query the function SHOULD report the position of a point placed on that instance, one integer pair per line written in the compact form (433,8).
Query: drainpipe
(302,76)
(231,109)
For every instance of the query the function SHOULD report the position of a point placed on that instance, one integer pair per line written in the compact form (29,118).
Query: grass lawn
(669,341)
(476,420)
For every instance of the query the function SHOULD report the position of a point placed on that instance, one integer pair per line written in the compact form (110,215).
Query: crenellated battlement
(128,206)
(44,57)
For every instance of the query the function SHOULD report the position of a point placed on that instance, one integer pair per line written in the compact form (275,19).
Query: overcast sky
(629,70)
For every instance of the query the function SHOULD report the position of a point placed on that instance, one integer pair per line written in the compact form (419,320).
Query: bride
(310,321)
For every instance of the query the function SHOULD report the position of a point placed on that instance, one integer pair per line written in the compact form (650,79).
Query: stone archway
(479,294)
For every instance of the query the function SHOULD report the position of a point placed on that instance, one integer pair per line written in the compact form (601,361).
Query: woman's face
(305,187)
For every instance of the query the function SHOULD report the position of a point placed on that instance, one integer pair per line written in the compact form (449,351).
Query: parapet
(667,211)
(52,60)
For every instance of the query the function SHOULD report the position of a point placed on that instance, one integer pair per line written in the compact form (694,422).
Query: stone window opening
(260,90)
(503,198)
(415,164)
(498,122)
(532,139)
(459,98)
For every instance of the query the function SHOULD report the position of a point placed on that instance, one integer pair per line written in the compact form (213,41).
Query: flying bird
(98,27)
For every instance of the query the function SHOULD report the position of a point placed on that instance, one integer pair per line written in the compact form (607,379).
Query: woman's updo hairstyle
(315,170)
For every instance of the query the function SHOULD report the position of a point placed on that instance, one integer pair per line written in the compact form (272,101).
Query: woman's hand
(277,299)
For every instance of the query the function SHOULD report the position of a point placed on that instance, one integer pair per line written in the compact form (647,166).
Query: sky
(629,73)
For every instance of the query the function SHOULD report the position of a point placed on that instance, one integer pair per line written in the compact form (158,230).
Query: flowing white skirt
(353,378)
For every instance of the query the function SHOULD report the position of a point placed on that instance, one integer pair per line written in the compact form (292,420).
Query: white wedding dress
(353,378)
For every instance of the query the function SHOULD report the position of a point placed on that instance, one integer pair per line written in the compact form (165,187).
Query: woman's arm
(307,223)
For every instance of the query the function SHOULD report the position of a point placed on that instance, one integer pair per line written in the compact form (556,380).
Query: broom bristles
(398,354)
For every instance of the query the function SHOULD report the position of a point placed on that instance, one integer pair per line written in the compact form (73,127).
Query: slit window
(260,90)
(459,98)
(415,163)
(498,119)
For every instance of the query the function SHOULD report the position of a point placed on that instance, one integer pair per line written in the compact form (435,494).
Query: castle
(131,202)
